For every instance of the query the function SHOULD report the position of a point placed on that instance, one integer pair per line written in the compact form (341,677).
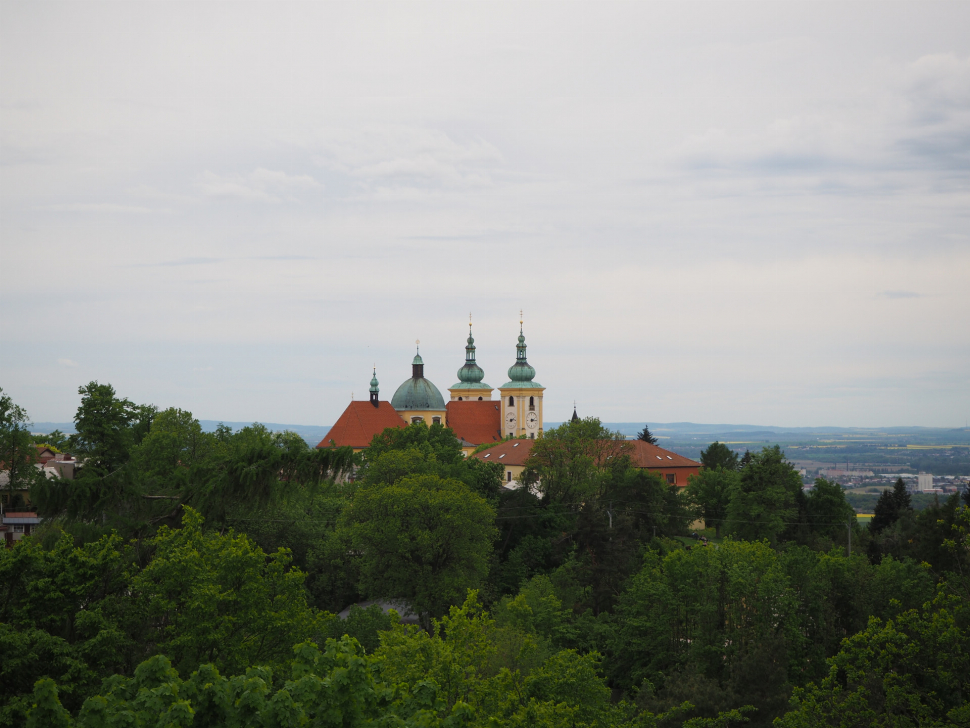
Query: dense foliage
(192,578)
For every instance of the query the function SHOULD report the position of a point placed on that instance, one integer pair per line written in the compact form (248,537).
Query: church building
(470,412)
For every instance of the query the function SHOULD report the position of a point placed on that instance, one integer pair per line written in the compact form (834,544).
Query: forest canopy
(193,578)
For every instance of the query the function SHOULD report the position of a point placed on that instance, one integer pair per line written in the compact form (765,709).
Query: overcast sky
(709,212)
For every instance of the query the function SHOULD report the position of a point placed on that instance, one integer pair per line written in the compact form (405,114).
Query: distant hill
(313,434)
(681,432)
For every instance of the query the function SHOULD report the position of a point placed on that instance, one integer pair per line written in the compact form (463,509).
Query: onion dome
(373,383)
(417,393)
(375,391)
(470,375)
(521,373)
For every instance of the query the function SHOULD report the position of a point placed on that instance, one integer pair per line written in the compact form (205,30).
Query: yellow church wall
(470,394)
(427,416)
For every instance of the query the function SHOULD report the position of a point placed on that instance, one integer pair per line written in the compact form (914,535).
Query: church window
(436,420)
(417,419)
(532,436)
(479,399)
(459,399)
(511,400)
(532,404)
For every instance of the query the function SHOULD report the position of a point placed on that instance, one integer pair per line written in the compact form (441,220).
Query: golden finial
(417,342)
(520,317)
(469,319)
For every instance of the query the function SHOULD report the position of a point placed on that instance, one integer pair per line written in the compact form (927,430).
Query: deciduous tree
(711,490)
(424,539)
(763,503)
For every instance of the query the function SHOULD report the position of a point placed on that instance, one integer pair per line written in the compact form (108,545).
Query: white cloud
(95,207)
(407,156)
(67,363)
(260,185)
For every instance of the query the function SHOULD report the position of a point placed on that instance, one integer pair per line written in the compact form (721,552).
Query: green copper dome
(521,373)
(373,382)
(470,375)
(417,393)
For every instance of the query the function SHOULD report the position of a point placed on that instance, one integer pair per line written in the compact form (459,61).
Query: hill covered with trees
(192,578)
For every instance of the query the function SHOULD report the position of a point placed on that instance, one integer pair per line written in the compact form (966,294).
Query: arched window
(532,403)
(479,399)
(435,420)
(459,399)
(511,400)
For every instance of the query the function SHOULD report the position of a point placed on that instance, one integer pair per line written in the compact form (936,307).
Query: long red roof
(644,455)
(359,423)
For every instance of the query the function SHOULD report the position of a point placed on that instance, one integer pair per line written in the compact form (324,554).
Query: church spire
(521,371)
(374,389)
(471,373)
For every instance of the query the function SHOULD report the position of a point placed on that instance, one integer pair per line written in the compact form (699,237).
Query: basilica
(470,412)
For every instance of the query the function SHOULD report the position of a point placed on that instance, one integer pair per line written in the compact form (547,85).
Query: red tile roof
(649,456)
(512,452)
(644,455)
(475,422)
(359,423)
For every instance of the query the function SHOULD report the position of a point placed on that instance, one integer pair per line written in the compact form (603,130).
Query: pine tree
(646,436)
(901,497)
(886,512)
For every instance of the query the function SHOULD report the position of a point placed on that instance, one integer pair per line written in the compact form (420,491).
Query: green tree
(720,619)
(421,450)
(55,440)
(828,511)
(763,503)
(718,455)
(908,671)
(711,490)
(645,435)
(569,463)
(107,428)
(17,452)
(424,539)
(335,687)
(211,598)
(60,618)
(175,440)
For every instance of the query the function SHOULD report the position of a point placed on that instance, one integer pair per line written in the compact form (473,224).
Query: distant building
(471,413)
(16,525)
(673,468)
(924,482)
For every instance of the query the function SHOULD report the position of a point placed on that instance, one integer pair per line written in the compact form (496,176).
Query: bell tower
(521,396)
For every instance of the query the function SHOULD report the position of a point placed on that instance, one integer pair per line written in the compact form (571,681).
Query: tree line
(191,578)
